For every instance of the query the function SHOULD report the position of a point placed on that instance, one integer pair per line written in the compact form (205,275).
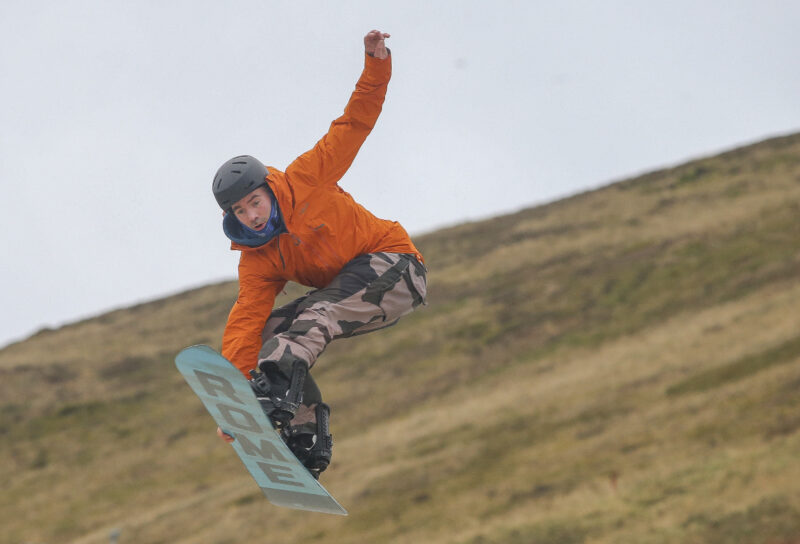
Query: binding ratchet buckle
(278,398)
(312,443)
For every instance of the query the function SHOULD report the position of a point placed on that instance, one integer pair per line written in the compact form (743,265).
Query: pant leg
(371,292)
(281,318)
(279,321)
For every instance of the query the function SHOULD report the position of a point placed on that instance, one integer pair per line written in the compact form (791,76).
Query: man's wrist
(372,54)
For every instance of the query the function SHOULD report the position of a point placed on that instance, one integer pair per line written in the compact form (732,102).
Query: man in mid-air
(300,226)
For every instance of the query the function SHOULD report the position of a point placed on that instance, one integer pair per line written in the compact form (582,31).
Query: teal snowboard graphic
(229,399)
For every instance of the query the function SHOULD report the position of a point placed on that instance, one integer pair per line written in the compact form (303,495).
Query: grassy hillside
(622,366)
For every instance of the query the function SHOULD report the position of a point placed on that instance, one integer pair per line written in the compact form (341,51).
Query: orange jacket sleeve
(327,161)
(241,340)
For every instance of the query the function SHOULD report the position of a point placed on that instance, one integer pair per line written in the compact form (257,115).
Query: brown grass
(621,367)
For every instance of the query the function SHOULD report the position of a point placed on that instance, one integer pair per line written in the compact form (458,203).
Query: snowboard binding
(280,395)
(311,442)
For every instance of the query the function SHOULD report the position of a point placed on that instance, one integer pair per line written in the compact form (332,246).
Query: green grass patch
(773,519)
(738,370)
(568,531)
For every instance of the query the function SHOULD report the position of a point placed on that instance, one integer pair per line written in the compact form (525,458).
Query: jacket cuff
(377,70)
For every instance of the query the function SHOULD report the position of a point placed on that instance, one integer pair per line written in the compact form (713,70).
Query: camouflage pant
(371,292)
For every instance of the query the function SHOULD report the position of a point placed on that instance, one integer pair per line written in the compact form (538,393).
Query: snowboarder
(300,226)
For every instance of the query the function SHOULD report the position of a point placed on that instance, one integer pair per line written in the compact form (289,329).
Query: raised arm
(330,158)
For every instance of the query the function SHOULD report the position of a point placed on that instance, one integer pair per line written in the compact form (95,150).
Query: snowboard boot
(279,389)
(312,442)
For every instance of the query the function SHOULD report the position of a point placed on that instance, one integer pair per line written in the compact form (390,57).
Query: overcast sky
(115,116)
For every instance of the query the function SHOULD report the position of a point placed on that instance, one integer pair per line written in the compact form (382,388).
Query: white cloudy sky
(115,115)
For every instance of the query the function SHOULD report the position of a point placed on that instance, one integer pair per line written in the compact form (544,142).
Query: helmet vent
(240,162)
(236,171)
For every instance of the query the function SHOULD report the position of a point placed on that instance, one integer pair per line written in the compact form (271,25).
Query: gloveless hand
(374,44)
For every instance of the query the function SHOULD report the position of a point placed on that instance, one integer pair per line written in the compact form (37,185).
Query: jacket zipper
(280,252)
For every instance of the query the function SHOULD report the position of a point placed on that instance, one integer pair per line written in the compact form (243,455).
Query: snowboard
(230,400)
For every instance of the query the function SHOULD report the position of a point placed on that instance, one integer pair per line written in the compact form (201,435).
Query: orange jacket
(326,227)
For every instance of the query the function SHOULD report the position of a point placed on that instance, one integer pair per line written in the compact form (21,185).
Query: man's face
(253,210)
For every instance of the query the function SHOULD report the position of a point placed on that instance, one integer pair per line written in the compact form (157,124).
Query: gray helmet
(236,178)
